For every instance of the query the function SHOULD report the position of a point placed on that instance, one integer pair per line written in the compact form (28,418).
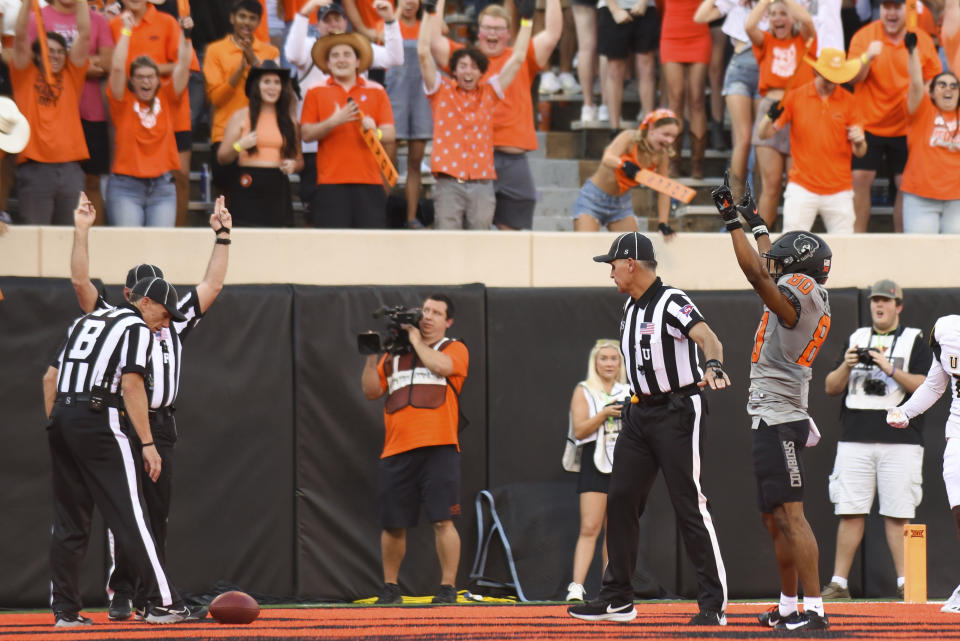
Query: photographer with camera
(882,365)
(420,462)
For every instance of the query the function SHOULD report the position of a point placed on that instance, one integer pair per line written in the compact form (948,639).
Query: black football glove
(723,200)
(666,229)
(748,209)
(774,111)
(630,169)
(910,41)
(430,6)
(525,8)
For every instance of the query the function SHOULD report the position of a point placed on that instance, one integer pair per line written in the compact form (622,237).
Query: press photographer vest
(896,347)
(410,383)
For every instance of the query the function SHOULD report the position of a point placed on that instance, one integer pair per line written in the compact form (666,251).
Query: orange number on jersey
(758,339)
(813,347)
(801,282)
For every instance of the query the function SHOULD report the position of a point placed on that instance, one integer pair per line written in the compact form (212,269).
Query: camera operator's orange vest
(409,383)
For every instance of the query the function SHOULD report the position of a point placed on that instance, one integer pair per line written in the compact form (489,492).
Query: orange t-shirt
(53,113)
(951,46)
(219,62)
(462,120)
(933,147)
(412,427)
(818,138)
(145,151)
(623,182)
(157,35)
(882,95)
(779,60)
(513,124)
(342,155)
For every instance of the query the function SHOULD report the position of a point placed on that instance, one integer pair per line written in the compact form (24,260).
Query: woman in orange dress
(685,48)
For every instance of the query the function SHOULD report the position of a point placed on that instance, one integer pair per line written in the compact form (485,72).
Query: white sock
(900,581)
(813,604)
(788,604)
(840,580)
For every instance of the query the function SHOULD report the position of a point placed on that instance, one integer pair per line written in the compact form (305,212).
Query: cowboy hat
(14,128)
(267,66)
(357,42)
(833,65)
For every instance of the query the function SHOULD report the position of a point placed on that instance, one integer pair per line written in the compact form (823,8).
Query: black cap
(630,245)
(160,291)
(142,271)
(333,7)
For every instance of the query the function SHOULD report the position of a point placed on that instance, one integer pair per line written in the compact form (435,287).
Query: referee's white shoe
(953,603)
(621,611)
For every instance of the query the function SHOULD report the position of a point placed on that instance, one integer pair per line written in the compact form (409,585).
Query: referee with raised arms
(101,370)
(162,381)
(662,429)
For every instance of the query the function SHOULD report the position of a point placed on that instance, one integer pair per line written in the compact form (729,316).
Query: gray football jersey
(782,358)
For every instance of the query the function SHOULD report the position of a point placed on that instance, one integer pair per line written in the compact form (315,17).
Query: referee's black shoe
(68,620)
(121,607)
(708,617)
(599,610)
(806,621)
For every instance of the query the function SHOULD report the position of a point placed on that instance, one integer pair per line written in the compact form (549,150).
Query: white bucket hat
(14,128)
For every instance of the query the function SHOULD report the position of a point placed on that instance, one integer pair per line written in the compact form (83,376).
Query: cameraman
(881,367)
(421,453)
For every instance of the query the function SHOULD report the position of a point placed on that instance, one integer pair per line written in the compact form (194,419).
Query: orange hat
(833,65)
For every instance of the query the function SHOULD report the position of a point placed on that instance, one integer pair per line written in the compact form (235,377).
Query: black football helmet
(799,252)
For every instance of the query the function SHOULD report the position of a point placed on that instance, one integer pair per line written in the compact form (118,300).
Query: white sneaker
(953,603)
(588,114)
(575,592)
(603,114)
(569,84)
(549,83)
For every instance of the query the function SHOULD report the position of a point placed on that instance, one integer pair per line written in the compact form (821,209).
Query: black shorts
(777,465)
(426,475)
(98,144)
(351,205)
(618,41)
(591,479)
(885,155)
(184,140)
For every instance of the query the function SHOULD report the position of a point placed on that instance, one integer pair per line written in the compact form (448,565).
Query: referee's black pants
(123,580)
(93,464)
(667,437)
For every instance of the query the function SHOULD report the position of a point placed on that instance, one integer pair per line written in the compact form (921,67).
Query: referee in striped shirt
(100,376)
(662,429)
(162,378)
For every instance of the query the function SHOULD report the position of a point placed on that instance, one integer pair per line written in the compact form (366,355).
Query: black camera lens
(874,387)
(864,357)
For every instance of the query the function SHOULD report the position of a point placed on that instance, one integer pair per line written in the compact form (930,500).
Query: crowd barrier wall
(275,485)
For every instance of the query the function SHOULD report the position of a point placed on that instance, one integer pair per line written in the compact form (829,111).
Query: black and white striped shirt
(100,347)
(162,378)
(654,331)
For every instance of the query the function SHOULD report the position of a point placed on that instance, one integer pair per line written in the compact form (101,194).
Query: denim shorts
(780,140)
(605,208)
(742,75)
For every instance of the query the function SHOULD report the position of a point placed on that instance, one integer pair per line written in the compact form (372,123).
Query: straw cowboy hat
(357,42)
(14,128)
(833,65)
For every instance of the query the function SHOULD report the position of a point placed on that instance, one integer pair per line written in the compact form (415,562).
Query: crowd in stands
(833,93)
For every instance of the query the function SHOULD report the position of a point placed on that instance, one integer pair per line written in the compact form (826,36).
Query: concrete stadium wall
(694,261)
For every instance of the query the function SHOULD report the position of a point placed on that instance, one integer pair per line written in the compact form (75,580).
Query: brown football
(234,607)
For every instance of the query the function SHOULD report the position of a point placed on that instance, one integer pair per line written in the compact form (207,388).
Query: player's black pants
(94,464)
(667,437)
(123,578)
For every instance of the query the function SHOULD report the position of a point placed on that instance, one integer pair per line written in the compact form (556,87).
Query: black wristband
(733,225)
(222,228)
(147,445)
(188,33)
(223,241)
(713,363)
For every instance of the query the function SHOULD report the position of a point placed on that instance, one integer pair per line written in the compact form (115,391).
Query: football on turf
(234,607)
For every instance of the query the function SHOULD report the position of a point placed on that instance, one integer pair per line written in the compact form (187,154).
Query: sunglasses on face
(943,84)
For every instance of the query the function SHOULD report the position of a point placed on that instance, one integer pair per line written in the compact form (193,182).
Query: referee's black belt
(665,397)
(161,412)
(109,400)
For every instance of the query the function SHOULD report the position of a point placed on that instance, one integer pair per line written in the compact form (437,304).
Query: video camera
(395,340)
